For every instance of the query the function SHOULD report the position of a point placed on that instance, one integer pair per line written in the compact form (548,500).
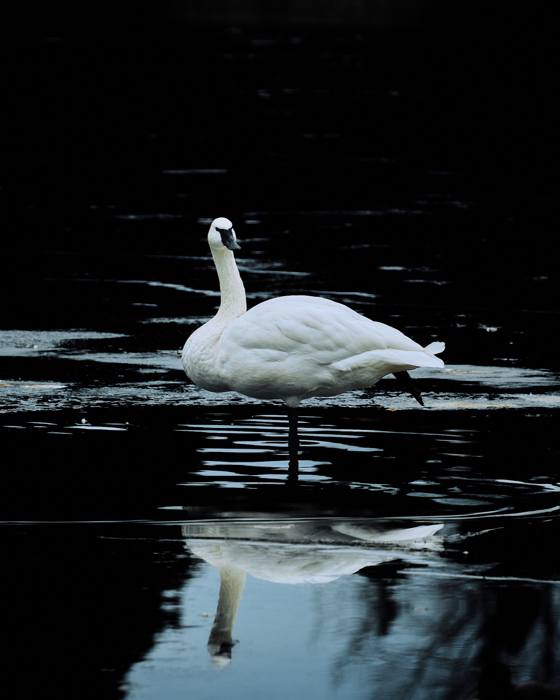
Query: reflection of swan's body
(295,557)
(302,552)
(291,347)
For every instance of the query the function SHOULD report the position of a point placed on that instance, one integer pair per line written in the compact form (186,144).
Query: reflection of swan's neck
(233,302)
(220,641)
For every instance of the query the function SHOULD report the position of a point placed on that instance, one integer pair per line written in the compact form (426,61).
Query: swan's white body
(292,347)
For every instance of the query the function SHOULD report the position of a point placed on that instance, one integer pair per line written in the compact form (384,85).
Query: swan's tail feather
(413,536)
(435,348)
(389,360)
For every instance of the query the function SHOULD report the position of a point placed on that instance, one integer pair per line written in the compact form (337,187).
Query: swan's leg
(293,443)
(405,382)
(293,435)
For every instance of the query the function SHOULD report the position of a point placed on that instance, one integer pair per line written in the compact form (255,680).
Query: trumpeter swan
(291,347)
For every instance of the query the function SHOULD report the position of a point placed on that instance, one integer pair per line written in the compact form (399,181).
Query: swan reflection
(296,552)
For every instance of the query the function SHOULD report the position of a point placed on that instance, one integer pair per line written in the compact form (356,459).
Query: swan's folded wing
(309,326)
(297,326)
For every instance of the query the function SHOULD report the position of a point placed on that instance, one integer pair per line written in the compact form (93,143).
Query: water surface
(155,543)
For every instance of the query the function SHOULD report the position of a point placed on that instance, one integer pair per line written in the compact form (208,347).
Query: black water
(399,171)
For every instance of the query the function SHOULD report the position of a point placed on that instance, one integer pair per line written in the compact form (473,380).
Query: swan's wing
(310,325)
(305,346)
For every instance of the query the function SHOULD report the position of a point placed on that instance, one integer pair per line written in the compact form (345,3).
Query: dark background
(126,128)
(293,99)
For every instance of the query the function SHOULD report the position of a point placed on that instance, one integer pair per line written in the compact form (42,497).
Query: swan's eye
(228,238)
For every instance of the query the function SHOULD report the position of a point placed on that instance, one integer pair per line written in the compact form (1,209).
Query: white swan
(291,347)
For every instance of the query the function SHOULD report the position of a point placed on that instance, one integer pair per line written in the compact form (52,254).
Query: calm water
(154,546)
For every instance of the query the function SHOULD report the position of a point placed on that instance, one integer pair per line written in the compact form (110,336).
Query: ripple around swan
(320,548)
(121,380)
(19,342)
(457,482)
(21,396)
(354,463)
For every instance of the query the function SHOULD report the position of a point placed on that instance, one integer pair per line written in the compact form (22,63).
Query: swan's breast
(199,359)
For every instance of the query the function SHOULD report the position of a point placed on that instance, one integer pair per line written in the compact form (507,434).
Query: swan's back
(305,323)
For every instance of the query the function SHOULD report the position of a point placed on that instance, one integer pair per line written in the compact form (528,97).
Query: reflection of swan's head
(220,641)
(220,653)
(221,235)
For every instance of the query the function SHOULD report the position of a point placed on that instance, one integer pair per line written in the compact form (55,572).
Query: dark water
(418,546)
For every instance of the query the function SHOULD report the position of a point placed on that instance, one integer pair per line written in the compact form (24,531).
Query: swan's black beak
(228,238)
(233,244)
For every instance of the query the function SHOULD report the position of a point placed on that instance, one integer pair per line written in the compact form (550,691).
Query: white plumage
(291,347)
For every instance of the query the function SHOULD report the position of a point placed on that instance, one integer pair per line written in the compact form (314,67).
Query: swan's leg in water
(293,435)
(406,383)
(293,439)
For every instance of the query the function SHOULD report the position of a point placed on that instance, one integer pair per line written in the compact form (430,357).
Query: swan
(291,347)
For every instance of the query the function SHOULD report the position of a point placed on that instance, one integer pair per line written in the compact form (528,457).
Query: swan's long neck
(232,582)
(233,302)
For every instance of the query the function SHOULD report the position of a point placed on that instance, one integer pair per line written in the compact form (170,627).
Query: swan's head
(221,235)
